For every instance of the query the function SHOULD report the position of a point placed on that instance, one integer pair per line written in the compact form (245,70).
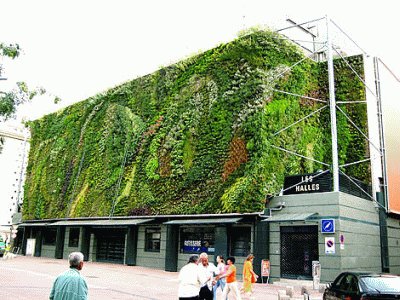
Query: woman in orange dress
(249,277)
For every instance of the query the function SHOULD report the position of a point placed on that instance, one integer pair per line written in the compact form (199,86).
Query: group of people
(200,279)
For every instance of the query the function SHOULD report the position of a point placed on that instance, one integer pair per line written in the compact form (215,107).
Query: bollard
(304,290)
(282,295)
(290,291)
(316,271)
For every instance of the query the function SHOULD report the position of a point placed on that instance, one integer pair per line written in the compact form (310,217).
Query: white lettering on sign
(306,178)
(307,187)
(192,243)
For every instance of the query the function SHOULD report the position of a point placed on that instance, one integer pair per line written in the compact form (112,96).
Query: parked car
(2,247)
(363,286)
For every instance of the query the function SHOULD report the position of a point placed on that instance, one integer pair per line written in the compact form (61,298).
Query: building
(290,234)
(181,161)
(13,161)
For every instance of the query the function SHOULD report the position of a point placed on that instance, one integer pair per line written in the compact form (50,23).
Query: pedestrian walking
(189,280)
(71,285)
(231,282)
(222,267)
(249,277)
(207,271)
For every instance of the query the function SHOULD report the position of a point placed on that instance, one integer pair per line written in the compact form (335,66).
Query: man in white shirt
(189,280)
(206,271)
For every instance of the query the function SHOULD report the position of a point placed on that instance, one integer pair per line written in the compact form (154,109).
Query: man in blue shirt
(70,285)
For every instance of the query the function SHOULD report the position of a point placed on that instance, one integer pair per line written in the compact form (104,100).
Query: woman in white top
(221,271)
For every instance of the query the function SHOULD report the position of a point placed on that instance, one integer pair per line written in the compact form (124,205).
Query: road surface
(31,278)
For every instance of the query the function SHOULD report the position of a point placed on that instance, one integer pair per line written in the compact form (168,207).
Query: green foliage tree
(10,100)
(11,50)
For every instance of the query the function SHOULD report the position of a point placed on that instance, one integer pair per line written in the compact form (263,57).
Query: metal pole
(332,104)
(384,188)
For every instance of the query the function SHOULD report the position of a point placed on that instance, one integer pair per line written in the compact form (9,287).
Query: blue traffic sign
(327,226)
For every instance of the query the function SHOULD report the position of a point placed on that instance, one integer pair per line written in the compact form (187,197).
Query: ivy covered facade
(195,137)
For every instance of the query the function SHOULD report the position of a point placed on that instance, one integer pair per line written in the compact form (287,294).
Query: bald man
(70,285)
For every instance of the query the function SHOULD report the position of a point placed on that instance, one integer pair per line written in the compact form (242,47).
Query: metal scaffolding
(326,52)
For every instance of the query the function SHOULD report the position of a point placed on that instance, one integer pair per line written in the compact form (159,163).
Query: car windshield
(382,284)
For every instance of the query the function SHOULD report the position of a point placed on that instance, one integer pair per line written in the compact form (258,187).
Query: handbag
(253,278)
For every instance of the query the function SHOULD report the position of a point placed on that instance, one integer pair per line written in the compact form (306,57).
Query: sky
(76,49)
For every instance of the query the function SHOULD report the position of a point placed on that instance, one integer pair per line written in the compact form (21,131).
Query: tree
(12,50)
(10,100)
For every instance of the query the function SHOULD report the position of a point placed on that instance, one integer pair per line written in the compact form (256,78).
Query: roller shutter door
(299,247)
(110,246)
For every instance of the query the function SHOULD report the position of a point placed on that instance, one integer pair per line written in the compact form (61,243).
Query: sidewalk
(271,291)
(31,278)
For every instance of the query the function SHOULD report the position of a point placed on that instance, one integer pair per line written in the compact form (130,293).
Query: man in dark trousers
(206,270)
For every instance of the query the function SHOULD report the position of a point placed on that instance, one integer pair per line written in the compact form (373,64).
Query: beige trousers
(231,287)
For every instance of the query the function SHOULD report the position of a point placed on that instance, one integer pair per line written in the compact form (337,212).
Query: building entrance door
(299,247)
(110,245)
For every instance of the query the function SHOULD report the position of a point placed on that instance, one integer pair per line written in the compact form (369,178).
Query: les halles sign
(307,183)
(322,182)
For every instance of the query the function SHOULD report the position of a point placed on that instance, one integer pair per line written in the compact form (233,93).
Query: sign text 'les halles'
(307,183)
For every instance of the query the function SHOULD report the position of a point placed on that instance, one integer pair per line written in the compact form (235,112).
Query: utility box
(316,273)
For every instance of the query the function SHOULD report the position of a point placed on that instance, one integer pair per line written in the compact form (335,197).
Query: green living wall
(194,137)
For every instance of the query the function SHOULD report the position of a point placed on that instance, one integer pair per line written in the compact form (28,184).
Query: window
(240,241)
(153,240)
(49,237)
(347,283)
(197,240)
(384,283)
(73,240)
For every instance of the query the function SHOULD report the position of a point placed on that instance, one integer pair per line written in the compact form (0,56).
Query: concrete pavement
(32,277)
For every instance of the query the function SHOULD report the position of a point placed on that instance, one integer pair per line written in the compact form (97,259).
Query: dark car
(363,286)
